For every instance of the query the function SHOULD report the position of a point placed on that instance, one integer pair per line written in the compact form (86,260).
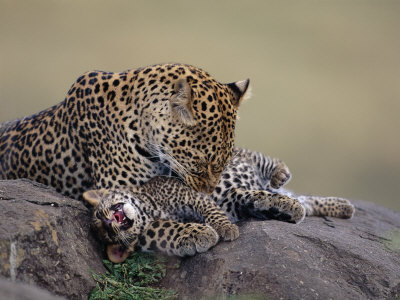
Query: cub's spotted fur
(255,181)
(122,129)
(154,216)
(160,214)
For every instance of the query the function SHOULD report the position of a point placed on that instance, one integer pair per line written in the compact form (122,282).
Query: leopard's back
(122,129)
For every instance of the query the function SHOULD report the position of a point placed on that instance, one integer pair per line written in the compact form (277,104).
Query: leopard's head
(191,127)
(116,220)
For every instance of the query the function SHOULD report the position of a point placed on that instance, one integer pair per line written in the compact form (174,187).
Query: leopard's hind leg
(327,206)
(240,203)
(279,175)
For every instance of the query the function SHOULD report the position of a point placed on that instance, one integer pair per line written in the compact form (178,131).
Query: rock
(316,259)
(12,290)
(45,239)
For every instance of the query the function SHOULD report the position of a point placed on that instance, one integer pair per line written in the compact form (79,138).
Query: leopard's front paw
(279,176)
(279,207)
(196,238)
(228,232)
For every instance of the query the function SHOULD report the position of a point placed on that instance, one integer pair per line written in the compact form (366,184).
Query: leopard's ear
(240,91)
(181,102)
(116,253)
(93,197)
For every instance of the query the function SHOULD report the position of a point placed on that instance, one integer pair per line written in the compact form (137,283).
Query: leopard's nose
(107,222)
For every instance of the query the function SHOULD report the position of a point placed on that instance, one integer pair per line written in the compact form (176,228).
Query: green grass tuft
(132,279)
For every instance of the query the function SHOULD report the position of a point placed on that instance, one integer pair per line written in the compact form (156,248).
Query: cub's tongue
(119,216)
(116,253)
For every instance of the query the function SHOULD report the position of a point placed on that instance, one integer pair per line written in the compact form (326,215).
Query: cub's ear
(181,103)
(240,91)
(93,197)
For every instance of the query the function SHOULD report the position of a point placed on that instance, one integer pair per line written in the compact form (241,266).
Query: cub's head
(191,122)
(116,221)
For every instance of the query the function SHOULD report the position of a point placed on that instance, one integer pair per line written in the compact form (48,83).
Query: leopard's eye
(199,173)
(217,169)
(199,169)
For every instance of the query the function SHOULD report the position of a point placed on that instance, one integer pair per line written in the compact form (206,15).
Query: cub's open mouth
(120,217)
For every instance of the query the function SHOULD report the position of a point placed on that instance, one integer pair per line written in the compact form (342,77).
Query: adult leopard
(121,129)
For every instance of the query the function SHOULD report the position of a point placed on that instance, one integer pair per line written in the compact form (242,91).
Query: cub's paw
(280,175)
(228,232)
(279,207)
(196,238)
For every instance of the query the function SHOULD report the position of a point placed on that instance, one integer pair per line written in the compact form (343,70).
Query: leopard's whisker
(124,239)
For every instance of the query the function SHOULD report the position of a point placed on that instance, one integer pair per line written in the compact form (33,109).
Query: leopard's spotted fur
(122,129)
(154,216)
(162,214)
(117,130)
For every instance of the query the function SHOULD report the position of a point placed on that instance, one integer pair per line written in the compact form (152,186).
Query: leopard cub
(163,215)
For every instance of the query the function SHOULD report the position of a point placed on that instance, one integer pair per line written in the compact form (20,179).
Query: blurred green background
(325,74)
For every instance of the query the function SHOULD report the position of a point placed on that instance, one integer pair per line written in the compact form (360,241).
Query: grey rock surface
(316,259)
(14,290)
(45,239)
